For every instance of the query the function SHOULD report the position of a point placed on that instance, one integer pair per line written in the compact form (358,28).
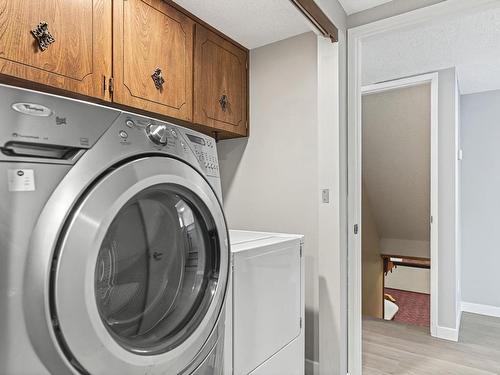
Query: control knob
(157,133)
(130,123)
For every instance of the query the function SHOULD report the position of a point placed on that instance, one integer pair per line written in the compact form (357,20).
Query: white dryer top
(242,240)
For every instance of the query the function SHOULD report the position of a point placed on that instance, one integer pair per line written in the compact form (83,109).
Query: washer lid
(141,271)
(242,240)
(240,236)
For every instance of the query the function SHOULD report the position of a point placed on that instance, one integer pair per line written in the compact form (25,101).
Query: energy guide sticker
(21,179)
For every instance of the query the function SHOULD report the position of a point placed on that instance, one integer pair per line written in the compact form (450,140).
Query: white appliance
(268,303)
(114,248)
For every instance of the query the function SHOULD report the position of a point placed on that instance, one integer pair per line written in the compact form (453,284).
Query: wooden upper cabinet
(220,83)
(145,54)
(150,36)
(79,56)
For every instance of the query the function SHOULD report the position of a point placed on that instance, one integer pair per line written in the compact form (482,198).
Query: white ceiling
(396,161)
(354,6)
(252,23)
(471,43)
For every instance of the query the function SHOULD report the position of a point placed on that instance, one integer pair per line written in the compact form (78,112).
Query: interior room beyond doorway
(396,204)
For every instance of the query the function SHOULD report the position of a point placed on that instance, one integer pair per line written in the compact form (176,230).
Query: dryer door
(141,271)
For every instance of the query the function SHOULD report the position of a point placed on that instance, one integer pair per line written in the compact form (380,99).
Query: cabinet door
(149,36)
(220,83)
(79,57)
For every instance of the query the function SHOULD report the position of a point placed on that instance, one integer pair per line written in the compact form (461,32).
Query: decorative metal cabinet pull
(43,36)
(223,101)
(158,79)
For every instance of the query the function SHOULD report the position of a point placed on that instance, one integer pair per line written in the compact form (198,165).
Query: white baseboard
(445,333)
(476,308)
(312,367)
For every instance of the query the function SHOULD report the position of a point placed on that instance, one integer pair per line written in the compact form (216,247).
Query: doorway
(399,154)
(428,23)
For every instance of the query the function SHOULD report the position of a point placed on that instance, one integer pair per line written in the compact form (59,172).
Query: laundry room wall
(332,267)
(480,184)
(272,181)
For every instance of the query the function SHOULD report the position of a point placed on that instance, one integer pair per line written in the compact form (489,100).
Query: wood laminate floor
(394,348)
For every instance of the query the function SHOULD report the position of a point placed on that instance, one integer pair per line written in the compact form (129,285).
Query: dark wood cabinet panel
(220,83)
(78,59)
(151,35)
(149,56)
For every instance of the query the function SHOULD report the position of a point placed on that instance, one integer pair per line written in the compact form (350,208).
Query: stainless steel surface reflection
(115,250)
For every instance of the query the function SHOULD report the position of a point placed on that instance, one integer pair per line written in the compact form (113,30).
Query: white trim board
(434,13)
(476,308)
(445,333)
(450,334)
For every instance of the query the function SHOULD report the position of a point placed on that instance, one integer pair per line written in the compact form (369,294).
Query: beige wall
(270,181)
(395,246)
(396,161)
(409,278)
(332,260)
(332,278)
(481,184)
(373,276)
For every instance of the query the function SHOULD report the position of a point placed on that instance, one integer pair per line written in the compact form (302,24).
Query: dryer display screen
(196,139)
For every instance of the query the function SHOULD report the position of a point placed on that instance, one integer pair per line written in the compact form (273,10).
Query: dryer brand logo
(32,109)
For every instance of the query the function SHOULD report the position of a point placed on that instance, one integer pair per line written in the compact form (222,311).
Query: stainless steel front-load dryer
(113,243)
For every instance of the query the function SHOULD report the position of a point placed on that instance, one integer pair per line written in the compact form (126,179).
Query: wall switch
(460,154)
(325,195)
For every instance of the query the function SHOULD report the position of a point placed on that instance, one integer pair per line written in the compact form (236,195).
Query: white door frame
(443,10)
(433,80)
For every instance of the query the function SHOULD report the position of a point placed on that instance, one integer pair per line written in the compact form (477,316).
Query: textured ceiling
(396,161)
(252,23)
(354,6)
(471,43)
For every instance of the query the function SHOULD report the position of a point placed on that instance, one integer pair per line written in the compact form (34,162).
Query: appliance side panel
(25,189)
(288,360)
(267,304)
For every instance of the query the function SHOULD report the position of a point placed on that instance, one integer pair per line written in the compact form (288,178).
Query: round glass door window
(157,270)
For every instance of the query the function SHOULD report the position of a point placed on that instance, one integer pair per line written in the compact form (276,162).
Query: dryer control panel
(205,151)
(175,140)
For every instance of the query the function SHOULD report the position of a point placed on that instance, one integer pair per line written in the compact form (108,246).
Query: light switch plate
(325,195)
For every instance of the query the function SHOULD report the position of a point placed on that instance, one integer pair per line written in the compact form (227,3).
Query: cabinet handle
(43,35)
(223,101)
(158,79)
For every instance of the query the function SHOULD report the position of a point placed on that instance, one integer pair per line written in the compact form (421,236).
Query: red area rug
(414,308)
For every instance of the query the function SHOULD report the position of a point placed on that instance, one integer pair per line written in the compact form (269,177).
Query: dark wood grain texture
(220,69)
(407,261)
(150,34)
(80,57)
(127,40)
